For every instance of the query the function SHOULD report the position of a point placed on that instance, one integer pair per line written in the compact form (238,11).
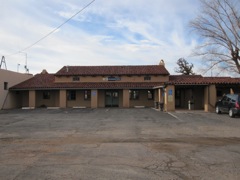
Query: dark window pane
(87,94)
(46,95)
(5,85)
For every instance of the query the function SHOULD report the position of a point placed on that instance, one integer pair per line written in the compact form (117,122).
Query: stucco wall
(169,98)
(12,78)
(79,100)
(53,101)
(143,100)
(199,98)
(157,78)
(210,98)
(101,98)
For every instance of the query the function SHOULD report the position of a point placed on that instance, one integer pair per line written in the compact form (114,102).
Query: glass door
(112,98)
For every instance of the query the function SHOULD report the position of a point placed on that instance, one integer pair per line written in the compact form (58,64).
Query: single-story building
(122,86)
(7,80)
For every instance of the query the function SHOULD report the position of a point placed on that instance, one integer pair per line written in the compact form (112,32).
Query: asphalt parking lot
(118,144)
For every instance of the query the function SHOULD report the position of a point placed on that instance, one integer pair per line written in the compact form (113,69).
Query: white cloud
(106,33)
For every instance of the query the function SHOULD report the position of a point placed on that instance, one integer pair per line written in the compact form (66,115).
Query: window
(219,93)
(150,94)
(134,94)
(115,94)
(5,85)
(46,95)
(147,78)
(87,95)
(76,78)
(71,95)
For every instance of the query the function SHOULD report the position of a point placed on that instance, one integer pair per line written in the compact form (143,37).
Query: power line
(28,47)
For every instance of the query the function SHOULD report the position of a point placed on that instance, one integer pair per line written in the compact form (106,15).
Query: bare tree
(219,26)
(184,67)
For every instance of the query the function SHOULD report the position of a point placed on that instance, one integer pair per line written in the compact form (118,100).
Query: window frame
(87,95)
(46,95)
(5,86)
(72,95)
(76,78)
(152,94)
(147,78)
(134,94)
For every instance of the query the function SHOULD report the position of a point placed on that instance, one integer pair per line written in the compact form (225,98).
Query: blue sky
(126,32)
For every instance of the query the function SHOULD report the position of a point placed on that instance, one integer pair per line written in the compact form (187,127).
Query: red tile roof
(199,80)
(46,81)
(113,70)
(38,81)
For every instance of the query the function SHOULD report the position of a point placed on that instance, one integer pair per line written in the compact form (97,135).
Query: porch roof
(46,81)
(200,80)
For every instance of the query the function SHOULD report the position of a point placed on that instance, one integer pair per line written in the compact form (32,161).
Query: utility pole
(3,62)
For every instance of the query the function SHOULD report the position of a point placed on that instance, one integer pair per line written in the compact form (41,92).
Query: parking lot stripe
(175,116)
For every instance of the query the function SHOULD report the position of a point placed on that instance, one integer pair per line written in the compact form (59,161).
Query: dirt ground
(118,144)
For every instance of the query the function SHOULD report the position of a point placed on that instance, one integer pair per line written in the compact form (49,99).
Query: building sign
(94,93)
(170,95)
(112,78)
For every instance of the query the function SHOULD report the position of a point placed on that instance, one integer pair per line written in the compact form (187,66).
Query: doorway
(112,98)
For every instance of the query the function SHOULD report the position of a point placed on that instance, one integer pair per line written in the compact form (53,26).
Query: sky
(108,32)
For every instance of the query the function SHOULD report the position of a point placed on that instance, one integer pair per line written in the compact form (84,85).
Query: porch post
(169,99)
(63,98)
(210,98)
(94,98)
(32,98)
(126,98)
(159,95)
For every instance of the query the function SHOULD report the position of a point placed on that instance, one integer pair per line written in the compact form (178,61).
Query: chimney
(161,63)
(67,69)
(44,71)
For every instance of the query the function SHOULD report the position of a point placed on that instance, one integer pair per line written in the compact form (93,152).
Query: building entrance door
(112,98)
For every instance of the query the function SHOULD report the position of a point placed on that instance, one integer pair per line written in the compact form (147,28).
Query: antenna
(3,62)
(18,67)
(25,66)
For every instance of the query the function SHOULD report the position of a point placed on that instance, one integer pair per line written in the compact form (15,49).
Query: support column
(169,99)
(156,99)
(161,99)
(32,99)
(210,98)
(126,103)
(94,98)
(159,95)
(63,98)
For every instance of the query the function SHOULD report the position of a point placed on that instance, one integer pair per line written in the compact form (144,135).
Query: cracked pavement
(118,144)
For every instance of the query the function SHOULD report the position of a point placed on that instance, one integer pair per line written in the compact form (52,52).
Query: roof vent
(162,63)
(44,71)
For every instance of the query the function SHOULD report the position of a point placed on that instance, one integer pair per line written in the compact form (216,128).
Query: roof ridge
(109,65)
(113,70)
